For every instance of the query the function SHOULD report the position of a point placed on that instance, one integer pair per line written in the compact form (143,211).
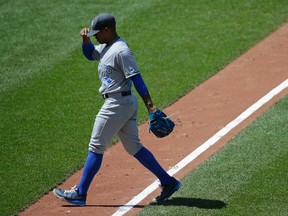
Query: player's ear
(106,30)
(111,28)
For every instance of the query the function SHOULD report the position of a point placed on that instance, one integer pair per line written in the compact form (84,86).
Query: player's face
(101,36)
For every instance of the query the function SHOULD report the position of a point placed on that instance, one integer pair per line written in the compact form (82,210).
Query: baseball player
(117,71)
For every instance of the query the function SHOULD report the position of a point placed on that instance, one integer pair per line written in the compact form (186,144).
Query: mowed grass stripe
(49,91)
(246,177)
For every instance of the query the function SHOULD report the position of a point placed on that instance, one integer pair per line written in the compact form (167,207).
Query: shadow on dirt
(177,201)
(102,206)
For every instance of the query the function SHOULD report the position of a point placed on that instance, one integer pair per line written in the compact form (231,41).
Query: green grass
(246,177)
(48,91)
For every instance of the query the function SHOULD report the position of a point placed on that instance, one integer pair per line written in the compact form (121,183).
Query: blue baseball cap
(101,21)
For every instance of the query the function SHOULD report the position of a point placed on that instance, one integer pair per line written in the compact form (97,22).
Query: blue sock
(146,158)
(91,167)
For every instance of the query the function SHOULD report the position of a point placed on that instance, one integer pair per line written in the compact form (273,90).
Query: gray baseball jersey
(117,63)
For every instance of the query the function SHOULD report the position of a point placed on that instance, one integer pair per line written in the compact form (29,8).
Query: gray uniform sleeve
(127,63)
(97,52)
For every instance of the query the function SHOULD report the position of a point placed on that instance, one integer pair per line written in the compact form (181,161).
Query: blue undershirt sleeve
(87,50)
(139,84)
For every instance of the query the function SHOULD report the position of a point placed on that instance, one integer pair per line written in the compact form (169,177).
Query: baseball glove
(160,124)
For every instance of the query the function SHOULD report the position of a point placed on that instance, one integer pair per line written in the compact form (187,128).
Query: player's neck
(113,39)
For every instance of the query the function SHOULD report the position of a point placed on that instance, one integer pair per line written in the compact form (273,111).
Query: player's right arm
(88,47)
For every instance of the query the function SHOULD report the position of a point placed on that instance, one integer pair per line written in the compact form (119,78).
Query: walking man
(117,71)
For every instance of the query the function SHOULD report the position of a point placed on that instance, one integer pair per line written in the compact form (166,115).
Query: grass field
(48,91)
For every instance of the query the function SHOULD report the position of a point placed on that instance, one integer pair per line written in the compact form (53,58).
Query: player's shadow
(103,206)
(177,201)
(194,202)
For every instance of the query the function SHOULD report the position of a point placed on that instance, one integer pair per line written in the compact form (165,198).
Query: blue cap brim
(92,32)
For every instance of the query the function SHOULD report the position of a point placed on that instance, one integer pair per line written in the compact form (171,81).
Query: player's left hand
(151,109)
(160,124)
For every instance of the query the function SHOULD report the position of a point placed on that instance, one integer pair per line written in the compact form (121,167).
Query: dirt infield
(202,113)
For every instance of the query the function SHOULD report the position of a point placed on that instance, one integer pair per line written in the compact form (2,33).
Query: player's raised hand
(83,34)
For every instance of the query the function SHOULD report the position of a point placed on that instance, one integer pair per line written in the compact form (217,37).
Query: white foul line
(210,142)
